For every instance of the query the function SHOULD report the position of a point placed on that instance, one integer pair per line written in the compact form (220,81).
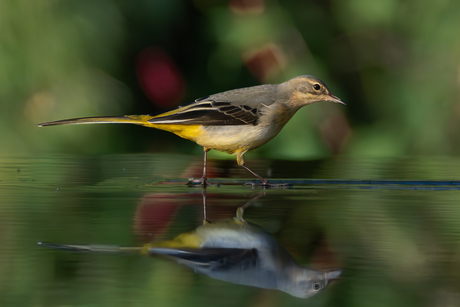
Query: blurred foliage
(395,63)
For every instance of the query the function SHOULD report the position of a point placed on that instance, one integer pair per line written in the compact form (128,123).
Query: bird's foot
(202,182)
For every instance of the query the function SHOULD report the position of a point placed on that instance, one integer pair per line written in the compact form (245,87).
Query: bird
(231,250)
(234,121)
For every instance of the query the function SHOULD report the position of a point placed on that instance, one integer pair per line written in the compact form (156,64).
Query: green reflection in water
(397,246)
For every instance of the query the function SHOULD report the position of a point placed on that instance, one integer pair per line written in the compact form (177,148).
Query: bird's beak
(333,275)
(336,99)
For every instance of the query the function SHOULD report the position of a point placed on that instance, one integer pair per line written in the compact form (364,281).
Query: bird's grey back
(251,96)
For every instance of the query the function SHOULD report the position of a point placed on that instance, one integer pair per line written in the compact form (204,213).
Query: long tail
(147,249)
(197,255)
(127,119)
(111,249)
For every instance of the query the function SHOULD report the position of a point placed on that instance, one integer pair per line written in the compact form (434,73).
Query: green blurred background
(395,63)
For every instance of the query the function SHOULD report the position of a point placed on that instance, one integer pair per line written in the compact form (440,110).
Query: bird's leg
(252,200)
(264,181)
(204,179)
(240,161)
(240,210)
(205,219)
(239,214)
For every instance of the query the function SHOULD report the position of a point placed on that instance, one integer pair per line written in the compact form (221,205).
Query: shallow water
(392,226)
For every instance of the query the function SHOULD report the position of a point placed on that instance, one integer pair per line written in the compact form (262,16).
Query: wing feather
(211,258)
(209,112)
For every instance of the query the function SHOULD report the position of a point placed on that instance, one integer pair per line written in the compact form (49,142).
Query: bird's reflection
(231,250)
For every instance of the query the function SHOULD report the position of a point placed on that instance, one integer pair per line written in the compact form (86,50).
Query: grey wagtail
(231,250)
(234,121)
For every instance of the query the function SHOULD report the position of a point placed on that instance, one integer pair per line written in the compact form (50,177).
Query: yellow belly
(232,139)
(236,139)
(189,132)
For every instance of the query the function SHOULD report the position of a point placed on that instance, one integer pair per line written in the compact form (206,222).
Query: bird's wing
(236,107)
(209,112)
(209,259)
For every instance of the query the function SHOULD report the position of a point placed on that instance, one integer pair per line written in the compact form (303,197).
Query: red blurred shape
(336,132)
(195,170)
(324,258)
(160,78)
(266,62)
(154,214)
(247,6)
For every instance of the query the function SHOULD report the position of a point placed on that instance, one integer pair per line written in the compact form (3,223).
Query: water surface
(393,226)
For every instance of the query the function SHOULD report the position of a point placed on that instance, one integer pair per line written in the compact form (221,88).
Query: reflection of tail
(128,119)
(111,249)
(193,257)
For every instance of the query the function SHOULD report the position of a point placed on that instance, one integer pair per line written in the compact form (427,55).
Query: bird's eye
(316,86)
(316,286)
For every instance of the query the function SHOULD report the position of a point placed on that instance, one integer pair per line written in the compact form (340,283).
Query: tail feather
(128,119)
(93,248)
(189,132)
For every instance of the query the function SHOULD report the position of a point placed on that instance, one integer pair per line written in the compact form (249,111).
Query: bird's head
(304,90)
(306,283)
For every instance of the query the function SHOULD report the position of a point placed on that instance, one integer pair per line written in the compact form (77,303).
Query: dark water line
(337,181)
(374,182)
(379,187)
(439,188)
(340,181)
(432,185)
